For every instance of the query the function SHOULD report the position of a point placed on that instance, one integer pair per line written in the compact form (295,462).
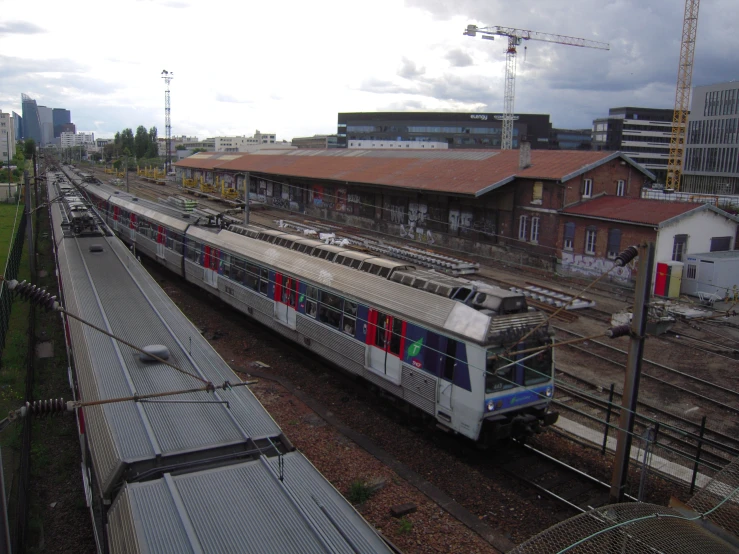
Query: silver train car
(204,471)
(431,342)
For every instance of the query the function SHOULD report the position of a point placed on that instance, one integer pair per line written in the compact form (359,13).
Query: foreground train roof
(267,514)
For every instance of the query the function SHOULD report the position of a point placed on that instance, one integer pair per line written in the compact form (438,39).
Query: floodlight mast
(167,76)
(515,36)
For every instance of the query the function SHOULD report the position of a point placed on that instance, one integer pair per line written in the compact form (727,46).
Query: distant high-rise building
(31,123)
(61,117)
(7,137)
(712,145)
(643,134)
(18,126)
(46,122)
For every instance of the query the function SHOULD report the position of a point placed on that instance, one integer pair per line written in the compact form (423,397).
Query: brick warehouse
(499,204)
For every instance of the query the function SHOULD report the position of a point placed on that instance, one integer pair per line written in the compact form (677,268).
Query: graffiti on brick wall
(417,213)
(397,214)
(417,233)
(589,265)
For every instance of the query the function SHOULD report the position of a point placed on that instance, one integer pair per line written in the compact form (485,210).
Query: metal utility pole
(682,95)
(633,372)
(515,36)
(167,76)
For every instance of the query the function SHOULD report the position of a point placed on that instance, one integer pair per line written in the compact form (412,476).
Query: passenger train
(179,459)
(430,341)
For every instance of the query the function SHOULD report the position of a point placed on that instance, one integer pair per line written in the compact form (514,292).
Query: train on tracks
(444,348)
(181,457)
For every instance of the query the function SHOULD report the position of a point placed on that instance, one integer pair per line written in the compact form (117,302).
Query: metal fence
(11,272)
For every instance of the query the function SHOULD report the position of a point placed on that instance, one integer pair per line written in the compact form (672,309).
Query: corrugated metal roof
(112,290)
(243,508)
(639,211)
(400,300)
(466,172)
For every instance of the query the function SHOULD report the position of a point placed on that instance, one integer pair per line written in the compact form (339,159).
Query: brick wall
(605,179)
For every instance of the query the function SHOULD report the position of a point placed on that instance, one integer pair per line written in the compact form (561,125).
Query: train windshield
(525,369)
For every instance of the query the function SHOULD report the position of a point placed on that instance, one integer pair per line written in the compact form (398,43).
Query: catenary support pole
(29,224)
(633,372)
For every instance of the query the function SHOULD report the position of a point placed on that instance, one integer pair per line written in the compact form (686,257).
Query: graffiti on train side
(590,265)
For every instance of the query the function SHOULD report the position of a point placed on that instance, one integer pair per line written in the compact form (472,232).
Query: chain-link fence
(11,272)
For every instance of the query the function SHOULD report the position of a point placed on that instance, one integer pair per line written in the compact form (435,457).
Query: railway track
(693,386)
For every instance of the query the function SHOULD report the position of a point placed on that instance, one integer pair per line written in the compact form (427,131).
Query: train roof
(223,510)
(105,285)
(151,213)
(399,300)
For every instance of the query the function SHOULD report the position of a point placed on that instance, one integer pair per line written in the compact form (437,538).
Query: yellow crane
(682,95)
(515,37)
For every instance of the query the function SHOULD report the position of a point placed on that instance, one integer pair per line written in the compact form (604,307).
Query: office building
(571,139)
(316,141)
(62,120)
(643,134)
(458,130)
(68,140)
(31,123)
(712,147)
(7,137)
(18,126)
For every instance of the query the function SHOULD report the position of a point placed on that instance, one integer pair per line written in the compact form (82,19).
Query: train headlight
(549,392)
(490,405)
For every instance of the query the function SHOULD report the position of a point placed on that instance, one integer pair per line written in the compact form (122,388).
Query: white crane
(515,36)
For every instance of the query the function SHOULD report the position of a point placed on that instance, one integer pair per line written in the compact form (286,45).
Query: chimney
(524,155)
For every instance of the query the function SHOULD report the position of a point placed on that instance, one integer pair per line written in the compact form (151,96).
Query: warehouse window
(587,188)
(522,225)
(678,247)
(537,192)
(535,229)
(690,272)
(590,236)
(569,237)
(720,244)
(620,188)
(614,243)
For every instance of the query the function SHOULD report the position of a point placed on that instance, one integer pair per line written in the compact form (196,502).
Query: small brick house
(594,231)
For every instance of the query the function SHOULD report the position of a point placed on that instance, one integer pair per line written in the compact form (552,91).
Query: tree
(141,142)
(29,148)
(127,140)
(180,147)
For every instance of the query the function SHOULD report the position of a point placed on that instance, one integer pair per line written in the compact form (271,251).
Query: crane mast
(515,37)
(682,95)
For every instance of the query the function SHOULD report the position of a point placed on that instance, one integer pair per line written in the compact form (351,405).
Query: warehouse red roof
(632,210)
(469,172)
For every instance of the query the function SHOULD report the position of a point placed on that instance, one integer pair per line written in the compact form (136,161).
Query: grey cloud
(20,28)
(13,67)
(221,97)
(379,86)
(409,70)
(459,58)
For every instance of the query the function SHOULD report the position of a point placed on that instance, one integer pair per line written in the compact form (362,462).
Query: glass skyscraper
(31,122)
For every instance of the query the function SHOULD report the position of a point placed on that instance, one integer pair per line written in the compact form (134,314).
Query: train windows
(311,304)
(177,240)
(350,317)
(248,274)
(264,282)
(380,334)
(193,251)
(226,264)
(498,374)
(330,308)
(537,369)
(396,336)
(355,264)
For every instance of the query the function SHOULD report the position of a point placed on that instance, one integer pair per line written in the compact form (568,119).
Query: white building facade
(7,137)
(69,140)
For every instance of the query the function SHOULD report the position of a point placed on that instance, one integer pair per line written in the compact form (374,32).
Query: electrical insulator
(34,294)
(42,407)
(618,331)
(627,255)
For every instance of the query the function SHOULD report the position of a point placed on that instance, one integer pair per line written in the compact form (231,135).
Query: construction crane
(167,76)
(515,37)
(682,95)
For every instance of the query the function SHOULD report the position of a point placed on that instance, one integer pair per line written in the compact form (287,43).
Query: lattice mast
(167,76)
(515,36)
(682,95)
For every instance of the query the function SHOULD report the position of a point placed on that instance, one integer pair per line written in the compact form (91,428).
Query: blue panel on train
(521,398)
(301,298)
(415,341)
(362,315)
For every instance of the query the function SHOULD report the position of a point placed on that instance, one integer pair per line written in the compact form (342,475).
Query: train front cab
(518,392)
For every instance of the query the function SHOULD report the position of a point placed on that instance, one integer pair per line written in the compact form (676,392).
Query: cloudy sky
(290,66)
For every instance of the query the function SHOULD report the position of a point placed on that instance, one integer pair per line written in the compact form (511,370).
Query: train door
(286,299)
(385,339)
(132,226)
(116,217)
(447,364)
(210,266)
(161,239)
